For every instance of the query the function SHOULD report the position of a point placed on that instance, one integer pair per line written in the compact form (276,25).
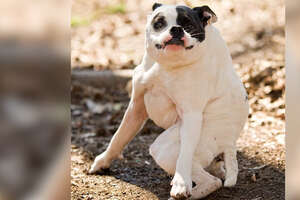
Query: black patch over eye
(188,20)
(159,23)
(187,24)
(185,20)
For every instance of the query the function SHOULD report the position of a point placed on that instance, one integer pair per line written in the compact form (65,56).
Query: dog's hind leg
(165,149)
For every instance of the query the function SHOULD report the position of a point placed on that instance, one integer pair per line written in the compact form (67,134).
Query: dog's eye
(159,24)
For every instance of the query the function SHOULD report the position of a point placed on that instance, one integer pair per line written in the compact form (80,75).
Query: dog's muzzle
(173,41)
(177,34)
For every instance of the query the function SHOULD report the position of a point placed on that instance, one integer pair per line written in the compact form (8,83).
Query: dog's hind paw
(230,181)
(206,188)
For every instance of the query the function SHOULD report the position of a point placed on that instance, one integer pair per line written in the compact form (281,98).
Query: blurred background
(34,103)
(292,100)
(107,42)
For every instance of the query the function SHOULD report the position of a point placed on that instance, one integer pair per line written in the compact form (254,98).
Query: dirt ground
(110,35)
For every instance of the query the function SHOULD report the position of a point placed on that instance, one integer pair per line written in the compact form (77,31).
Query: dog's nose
(177,32)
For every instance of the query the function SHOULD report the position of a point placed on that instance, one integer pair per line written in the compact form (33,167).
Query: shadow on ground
(137,176)
(255,181)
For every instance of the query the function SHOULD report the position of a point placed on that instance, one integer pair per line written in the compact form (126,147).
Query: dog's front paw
(230,181)
(181,188)
(101,162)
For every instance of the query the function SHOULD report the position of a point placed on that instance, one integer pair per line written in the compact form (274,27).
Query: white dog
(187,85)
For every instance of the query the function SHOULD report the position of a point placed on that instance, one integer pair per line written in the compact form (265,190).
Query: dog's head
(175,33)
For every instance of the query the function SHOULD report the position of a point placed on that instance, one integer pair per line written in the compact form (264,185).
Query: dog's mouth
(173,41)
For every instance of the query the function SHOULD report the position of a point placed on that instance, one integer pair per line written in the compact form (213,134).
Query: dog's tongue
(173,47)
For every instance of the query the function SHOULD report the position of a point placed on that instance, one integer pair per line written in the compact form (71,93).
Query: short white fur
(198,98)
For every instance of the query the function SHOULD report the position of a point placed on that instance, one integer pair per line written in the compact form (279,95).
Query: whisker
(197,34)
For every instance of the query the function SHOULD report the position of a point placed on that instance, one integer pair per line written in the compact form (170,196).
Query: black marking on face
(194,20)
(156,5)
(159,22)
(190,22)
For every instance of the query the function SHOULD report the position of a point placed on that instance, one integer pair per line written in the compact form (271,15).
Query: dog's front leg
(190,131)
(132,122)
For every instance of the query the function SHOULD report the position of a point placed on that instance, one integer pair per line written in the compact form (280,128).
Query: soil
(137,176)
(254,31)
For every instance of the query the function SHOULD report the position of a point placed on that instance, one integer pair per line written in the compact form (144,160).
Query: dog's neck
(181,61)
(171,66)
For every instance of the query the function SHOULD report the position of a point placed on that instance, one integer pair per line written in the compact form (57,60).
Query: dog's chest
(163,96)
(160,107)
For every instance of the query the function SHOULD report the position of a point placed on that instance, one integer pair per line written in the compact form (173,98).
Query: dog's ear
(156,5)
(206,15)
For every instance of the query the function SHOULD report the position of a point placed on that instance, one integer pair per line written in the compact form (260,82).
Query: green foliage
(83,21)
(119,8)
(79,21)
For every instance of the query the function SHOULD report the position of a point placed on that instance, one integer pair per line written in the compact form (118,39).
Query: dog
(187,85)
